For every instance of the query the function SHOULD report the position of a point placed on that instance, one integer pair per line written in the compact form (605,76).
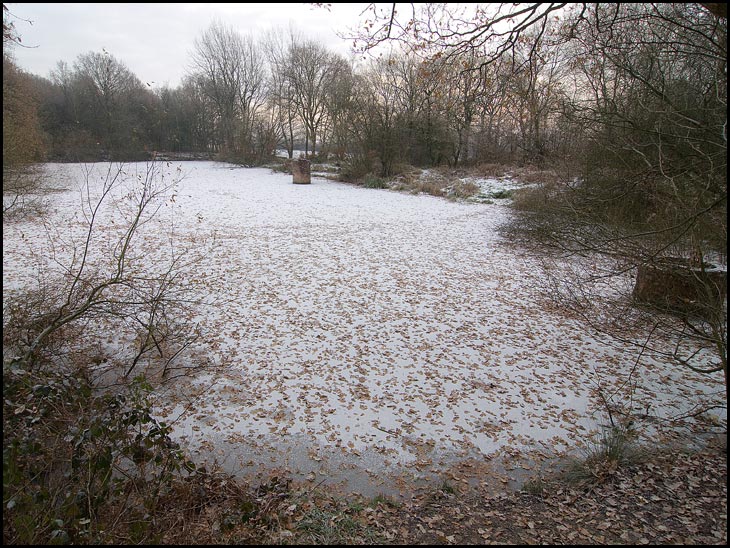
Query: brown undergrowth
(668,497)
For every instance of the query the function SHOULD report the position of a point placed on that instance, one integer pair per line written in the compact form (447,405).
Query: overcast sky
(154,40)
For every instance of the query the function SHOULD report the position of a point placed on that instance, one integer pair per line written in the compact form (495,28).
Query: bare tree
(230,71)
(536,93)
(311,71)
(280,92)
(451,30)
(339,99)
(108,86)
(492,105)
(376,113)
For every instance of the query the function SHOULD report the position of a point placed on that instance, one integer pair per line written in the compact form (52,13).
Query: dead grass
(533,175)
(490,170)
(442,182)
(455,184)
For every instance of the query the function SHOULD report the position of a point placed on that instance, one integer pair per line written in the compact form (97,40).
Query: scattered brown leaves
(671,498)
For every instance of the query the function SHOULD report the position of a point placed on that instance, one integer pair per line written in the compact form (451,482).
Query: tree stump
(676,285)
(301,171)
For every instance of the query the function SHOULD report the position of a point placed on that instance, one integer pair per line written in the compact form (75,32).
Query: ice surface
(360,329)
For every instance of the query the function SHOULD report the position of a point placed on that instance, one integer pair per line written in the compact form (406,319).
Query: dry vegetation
(665,498)
(454,183)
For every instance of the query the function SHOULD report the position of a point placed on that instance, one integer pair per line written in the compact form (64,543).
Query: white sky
(155,40)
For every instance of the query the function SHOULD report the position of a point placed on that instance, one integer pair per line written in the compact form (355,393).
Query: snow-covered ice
(359,331)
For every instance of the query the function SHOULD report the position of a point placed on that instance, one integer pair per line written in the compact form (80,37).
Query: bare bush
(106,280)
(84,459)
(23,191)
(601,295)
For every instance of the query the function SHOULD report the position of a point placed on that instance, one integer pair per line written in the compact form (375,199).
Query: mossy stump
(677,286)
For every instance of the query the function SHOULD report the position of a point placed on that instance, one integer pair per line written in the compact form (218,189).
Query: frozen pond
(356,333)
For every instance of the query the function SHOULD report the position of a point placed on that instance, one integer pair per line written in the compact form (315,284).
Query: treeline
(244,98)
